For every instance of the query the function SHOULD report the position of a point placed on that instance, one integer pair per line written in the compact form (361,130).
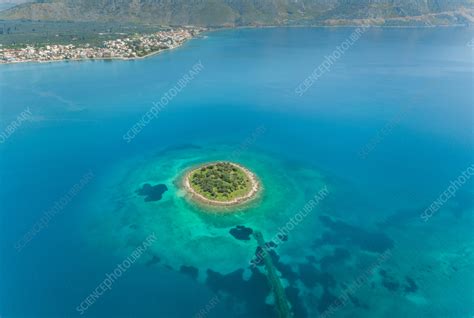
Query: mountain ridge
(230,13)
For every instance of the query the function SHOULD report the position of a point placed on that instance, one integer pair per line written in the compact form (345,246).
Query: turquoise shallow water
(418,81)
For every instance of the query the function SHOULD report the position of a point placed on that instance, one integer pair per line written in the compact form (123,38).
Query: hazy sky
(14,1)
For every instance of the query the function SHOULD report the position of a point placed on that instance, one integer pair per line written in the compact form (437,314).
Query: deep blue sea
(404,95)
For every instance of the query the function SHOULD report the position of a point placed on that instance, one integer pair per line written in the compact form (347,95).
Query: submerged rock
(389,281)
(152,193)
(241,232)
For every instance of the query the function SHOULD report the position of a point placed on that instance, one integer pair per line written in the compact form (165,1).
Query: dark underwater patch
(155,259)
(285,269)
(270,244)
(191,271)
(326,300)
(260,253)
(339,256)
(241,232)
(253,291)
(342,233)
(282,237)
(286,272)
(388,281)
(297,306)
(356,302)
(310,276)
(152,193)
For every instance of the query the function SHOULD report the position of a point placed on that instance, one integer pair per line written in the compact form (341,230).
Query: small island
(221,184)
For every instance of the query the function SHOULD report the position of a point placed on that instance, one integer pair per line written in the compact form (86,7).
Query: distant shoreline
(102,58)
(216,29)
(94,58)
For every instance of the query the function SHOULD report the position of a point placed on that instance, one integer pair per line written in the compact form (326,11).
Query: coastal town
(126,48)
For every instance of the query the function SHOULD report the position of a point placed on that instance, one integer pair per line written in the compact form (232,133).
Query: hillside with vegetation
(221,181)
(221,13)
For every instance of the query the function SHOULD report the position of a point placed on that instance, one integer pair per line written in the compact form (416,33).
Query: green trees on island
(220,181)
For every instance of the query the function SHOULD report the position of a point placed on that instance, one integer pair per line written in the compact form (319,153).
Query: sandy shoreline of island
(252,194)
